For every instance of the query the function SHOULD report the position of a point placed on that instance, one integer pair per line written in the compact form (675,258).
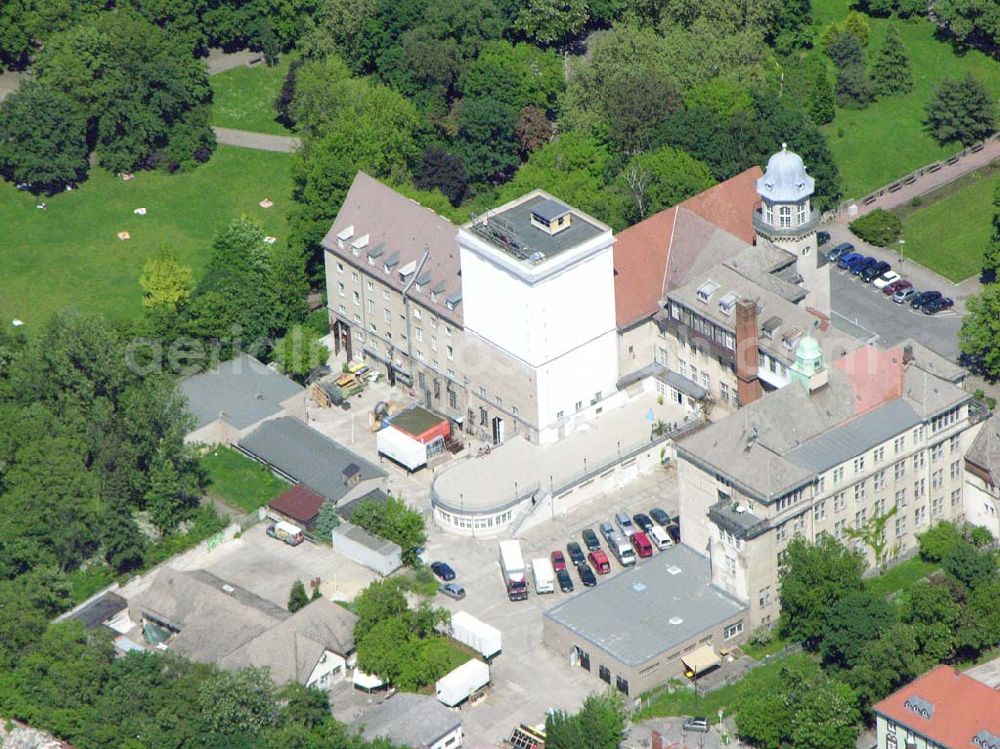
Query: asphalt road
(860,305)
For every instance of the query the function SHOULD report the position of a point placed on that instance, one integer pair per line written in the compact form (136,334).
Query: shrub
(879,227)
(938,542)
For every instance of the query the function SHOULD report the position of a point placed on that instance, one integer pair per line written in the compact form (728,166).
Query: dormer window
(359,244)
(727,304)
(407,270)
(343,236)
(706,290)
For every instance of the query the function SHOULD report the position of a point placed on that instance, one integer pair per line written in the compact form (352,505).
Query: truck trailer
(544,574)
(457,686)
(514,572)
(481,637)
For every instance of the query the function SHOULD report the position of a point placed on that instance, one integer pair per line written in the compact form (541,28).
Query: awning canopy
(366,681)
(701,659)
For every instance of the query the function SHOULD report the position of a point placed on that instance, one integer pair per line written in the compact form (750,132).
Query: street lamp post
(901,243)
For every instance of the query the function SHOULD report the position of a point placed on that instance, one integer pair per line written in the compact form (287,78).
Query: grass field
(244,97)
(239,481)
(949,232)
(69,254)
(887,140)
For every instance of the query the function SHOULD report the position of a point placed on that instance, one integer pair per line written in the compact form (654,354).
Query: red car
(897,286)
(558,560)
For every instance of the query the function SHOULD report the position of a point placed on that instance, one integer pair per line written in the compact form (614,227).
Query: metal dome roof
(808,349)
(785,179)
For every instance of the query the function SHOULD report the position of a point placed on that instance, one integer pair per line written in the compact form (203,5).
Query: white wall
(576,376)
(981,506)
(328,670)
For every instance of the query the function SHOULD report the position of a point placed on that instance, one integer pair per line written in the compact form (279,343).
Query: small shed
(354,542)
(299,505)
(420,424)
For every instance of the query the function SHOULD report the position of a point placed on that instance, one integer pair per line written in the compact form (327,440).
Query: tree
(641,99)
(891,74)
(551,22)
(845,50)
(719,95)
(879,227)
(164,500)
(123,542)
(822,98)
(827,717)
(44,139)
(598,724)
(979,336)
(299,352)
(166,284)
(853,89)
(886,664)
(970,23)
(970,566)
(935,617)
(244,701)
(297,598)
(487,140)
(519,75)
(394,521)
(855,620)
(662,178)
(961,110)
(534,130)
(283,101)
(813,579)
(938,541)
(439,169)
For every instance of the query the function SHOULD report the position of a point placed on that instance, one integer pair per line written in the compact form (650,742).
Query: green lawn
(244,97)
(239,481)
(949,232)
(901,577)
(887,140)
(69,254)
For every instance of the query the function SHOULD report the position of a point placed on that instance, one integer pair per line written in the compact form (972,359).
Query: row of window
(899,469)
(478,523)
(785,215)
(709,330)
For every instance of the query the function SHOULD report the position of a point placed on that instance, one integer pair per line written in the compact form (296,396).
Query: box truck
(544,574)
(514,572)
(479,636)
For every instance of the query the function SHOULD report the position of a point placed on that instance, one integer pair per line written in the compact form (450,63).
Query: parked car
(607,530)
(936,305)
(558,560)
(565,581)
(674,531)
(697,724)
(443,571)
(587,576)
(921,299)
(600,562)
(642,520)
(905,295)
(888,278)
(590,540)
(845,260)
(897,286)
(839,251)
(858,266)
(290,533)
(625,523)
(822,237)
(452,590)
(660,516)
(641,544)
(575,553)
(875,270)
(660,538)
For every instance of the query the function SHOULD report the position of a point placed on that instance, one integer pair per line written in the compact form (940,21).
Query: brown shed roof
(300,503)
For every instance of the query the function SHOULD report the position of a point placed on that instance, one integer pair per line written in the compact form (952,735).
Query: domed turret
(808,368)
(785,180)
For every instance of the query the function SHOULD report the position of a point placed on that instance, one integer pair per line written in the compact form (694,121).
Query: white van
(659,538)
(622,550)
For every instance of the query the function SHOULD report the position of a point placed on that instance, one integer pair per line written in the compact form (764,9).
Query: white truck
(514,572)
(544,574)
(400,447)
(457,686)
(478,635)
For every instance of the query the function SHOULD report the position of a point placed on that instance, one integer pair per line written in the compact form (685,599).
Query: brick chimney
(657,741)
(747,385)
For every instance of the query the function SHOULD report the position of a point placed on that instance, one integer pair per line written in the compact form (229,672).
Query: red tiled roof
(300,503)
(642,252)
(875,375)
(962,708)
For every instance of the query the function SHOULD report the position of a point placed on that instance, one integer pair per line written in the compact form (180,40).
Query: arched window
(785,215)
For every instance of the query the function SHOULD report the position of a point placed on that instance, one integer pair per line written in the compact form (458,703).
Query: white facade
(556,317)
(982,503)
(330,669)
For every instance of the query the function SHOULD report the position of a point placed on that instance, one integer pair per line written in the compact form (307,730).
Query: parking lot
(528,679)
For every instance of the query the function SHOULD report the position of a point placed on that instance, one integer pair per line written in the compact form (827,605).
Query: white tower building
(787,220)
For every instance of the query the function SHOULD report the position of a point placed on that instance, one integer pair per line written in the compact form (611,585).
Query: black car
(443,571)
(674,531)
(660,516)
(875,270)
(643,521)
(565,581)
(822,237)
(575,553)
(590,540)
(587,576)
(936,305)
(921,299)
(859,266)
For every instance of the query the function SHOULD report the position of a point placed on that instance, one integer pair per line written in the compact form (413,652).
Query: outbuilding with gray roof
(412,720)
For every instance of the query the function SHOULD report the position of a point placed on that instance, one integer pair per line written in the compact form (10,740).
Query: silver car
(625,523)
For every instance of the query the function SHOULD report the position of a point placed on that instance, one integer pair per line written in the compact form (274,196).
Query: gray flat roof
(683,384)
(369,540)
(646,611)
(298,451)
(414,720)
(514,223)
(856,437)
(241,392)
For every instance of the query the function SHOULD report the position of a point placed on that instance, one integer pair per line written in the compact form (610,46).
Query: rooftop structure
(303,455)
(944,708)
(785,180)
(300,504)
(409,720)
(240,392)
